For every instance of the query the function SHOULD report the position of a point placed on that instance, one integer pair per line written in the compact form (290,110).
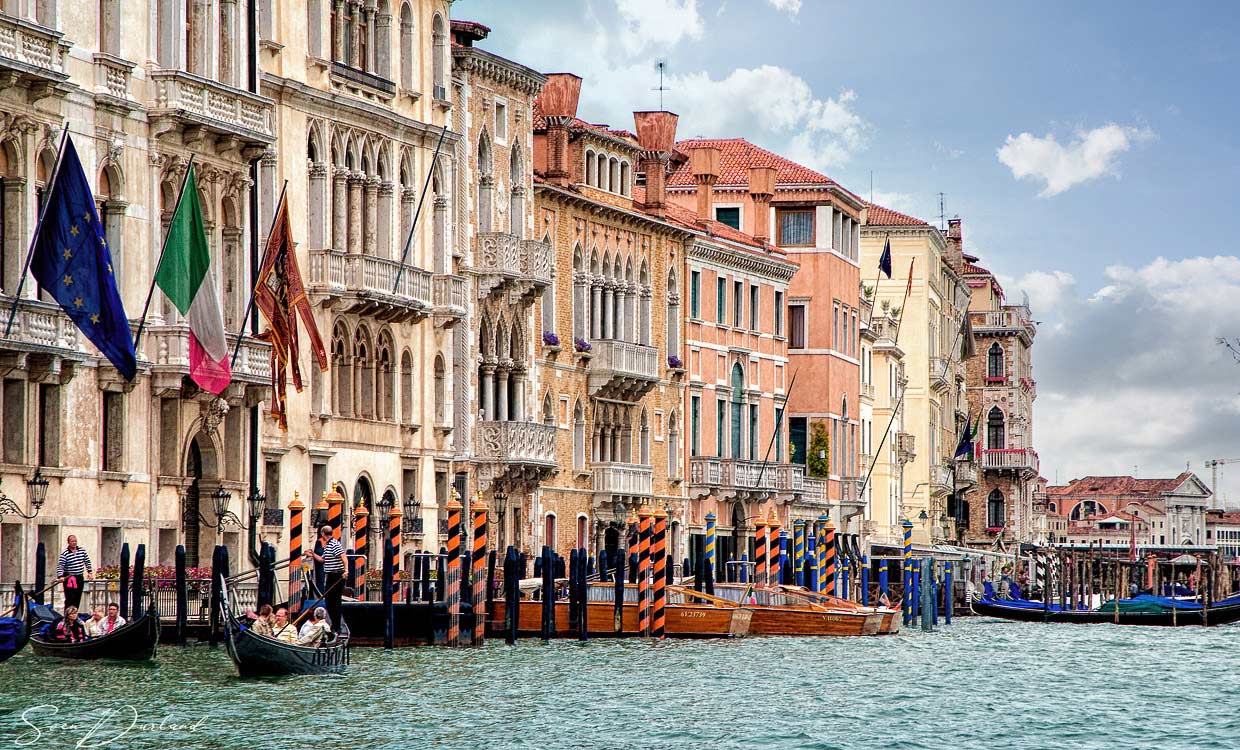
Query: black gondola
(14,632)
(1221,613)
(259,656)
(136,640)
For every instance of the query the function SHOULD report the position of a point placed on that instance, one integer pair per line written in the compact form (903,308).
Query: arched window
(406,48)
(994,361)
(673,446)
(579,437)
(441,392)
(406,387)
(735,408)
(613,169)
(548,411)
(591,169)
(317,219)
(604,173)
(110,196)
(342,371)
(1085,509)
(364,374)
(673,315)
(996,515)
(644,305)
(12,202)
(439,47)
(643,441)
(995,437)
(486,181)
(583,531)
(516,196)
(549,531)
(581,294)
(386,396)
(440,229)
(626,179)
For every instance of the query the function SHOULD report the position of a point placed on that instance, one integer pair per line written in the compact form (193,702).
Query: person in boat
(315,629)
(72,569)
(263,621)
(334,565)
(70,628)
(114,619)
(93,625)
(282,629)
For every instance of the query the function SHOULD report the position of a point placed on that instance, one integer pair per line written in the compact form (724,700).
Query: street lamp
(385,514)
(257,502)
(222,498)
(413,515)
(36,494)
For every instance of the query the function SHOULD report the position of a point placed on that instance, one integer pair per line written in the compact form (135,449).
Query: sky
(1090,149)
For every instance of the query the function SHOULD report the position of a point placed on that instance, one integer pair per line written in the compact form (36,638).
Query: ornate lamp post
(501,507)
(412,525)
(36,495)
(257,503)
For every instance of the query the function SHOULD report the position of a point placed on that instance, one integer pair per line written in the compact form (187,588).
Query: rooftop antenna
(942,214)
(661,65)
(871,186)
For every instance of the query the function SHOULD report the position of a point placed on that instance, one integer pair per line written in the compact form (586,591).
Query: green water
(978,684)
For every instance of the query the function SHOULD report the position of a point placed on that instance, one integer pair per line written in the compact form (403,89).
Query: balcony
(169,350)
(511,265)
(632,480)
(1010,321)
(850,492)
(1029,386)
(32,57)
(112,83)
(939,379)
(742,478)
(940,479)
(43,342)
(1021,460)
(364,284)
(199,108)
(867,391)
(449,298)
(906,447)
(966,474)
(622,370)
(517,444)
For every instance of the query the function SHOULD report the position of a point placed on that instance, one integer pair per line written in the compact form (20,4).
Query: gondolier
(334,564)
(72,569)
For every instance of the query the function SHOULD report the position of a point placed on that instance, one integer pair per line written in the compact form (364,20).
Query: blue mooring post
(882,576)
(811,558)
(865,580)
(744,569)
(916,592)
(947,593)
(842,587)
(927,602)
(934,592)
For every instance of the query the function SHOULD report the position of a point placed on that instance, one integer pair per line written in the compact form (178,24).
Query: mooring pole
(948,595)
(124,584)
(182,594)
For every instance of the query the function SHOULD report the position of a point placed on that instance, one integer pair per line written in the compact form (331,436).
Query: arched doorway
(190,510)
(202,471)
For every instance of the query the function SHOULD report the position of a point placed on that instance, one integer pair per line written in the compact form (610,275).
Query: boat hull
(258,656)
(134,641)
(811,622)
(1220,615)
(20,639)
(681,620)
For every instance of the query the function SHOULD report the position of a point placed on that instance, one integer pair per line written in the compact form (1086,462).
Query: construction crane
(1213,464)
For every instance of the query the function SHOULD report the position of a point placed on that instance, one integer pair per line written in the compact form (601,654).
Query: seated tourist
(70,627)
(315,628)
(94,626)
(263,620)
(282,629)
(113,620)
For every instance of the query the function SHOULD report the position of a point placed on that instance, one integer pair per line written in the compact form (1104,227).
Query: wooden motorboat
(881,620)
(786,611)
(136,640)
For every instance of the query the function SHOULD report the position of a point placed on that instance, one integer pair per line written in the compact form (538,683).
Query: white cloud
(1131,374)
(657,23)
(791,7)
(1091,155)
(905,203)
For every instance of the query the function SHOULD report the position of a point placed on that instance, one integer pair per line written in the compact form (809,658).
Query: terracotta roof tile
(1112,486)
(540,123)
(737,155)
(972,269)
(688,219)
(882,216)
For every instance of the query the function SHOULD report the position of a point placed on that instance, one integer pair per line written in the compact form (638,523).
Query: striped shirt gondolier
(73,563)
(331,557)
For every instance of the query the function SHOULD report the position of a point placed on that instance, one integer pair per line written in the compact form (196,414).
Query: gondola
(259,656)
(1140,610)
(134,641)
(14,632)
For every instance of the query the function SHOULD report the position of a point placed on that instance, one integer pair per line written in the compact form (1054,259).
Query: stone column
(596,307)
(441,260)
(371,202)
(383,55)
(355,18)
(228,42)
(609,321)
(338,31)
(501,412)
(518,404)
(383,229)
(317,222)
(340,209)
(355,212)
(370,36)
(201,43)
(485,390)
(408,198)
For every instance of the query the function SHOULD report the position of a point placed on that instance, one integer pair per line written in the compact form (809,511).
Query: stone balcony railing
(509,263)
(938,373)
(622,370)
(1008,321)
(365,284)
(524,443)
(188,101)
(43,342)
(966,473)
(615,478)
(168,350)
(449,296)
(867,391)
(940,478)
(112,80)
(33,54)
(850,492)
(739,476)
(906,446)
(1018,459)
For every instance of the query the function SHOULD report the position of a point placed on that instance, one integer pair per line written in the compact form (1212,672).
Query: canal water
(978,684)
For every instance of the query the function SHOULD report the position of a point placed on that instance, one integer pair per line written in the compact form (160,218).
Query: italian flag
(187,278)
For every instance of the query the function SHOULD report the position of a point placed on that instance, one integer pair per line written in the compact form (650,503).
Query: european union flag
(72,263)
(884,260)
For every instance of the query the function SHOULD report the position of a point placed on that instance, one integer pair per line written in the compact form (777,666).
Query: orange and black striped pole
(643,571)
(453,591)
(335,508)
(772,548)
(658,554)
(759,552)
(829,548)
(361,534)
(480,583)
(394,530)
(295,511)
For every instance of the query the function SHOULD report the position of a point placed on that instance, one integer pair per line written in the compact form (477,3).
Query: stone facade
(893,448)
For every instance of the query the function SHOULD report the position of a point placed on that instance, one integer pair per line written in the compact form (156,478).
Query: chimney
(704,162)
(955,246)
(656,132)
(558,102)
(762,190)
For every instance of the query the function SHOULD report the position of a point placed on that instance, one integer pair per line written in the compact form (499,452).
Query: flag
(72,263)
(884,261)
(967,345)
(965,446)
(281,296)
(185,275)
(909,289)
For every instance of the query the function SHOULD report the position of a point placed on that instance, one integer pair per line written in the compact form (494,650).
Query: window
(730,215)
(695,293)
(996,517)
(113,430)
(695,425)
(720,424)
(441,393)
(835,327)
(721,300)
(501,121)
(753,431)
(549,531)
(994,362)
(738,289)
(779,431)
(579,437)
(796,227)
(796,326)
(779,313)
(994,429)
(755,296)
(738,398)
(49,424)
(271,480)
(798,438)
(548,309)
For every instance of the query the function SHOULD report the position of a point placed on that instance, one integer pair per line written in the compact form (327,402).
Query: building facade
(928,330)
(1001,391)
(887,448)
(1167,512)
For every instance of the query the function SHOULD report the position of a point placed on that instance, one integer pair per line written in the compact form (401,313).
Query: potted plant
(551,341)
(582,347)
(675,364)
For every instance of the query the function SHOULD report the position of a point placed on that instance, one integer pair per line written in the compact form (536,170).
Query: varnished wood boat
(136,640)
(888,618)
(783,611)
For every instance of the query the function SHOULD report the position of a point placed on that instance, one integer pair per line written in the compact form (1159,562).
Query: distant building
(1223,531)
(1165,512)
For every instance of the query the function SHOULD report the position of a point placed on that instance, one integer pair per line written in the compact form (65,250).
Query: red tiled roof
(1112,486)
(972,269)
(737,155)
(885,217)
(689,219)
(1227,517)
(540,123)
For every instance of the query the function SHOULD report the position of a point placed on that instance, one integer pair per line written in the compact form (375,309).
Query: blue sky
(1090,149)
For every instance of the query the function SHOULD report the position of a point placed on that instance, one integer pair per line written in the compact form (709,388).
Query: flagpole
(878,276)
(908,288)
(64,138)
(418,211)
(151,292)
(249,306)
